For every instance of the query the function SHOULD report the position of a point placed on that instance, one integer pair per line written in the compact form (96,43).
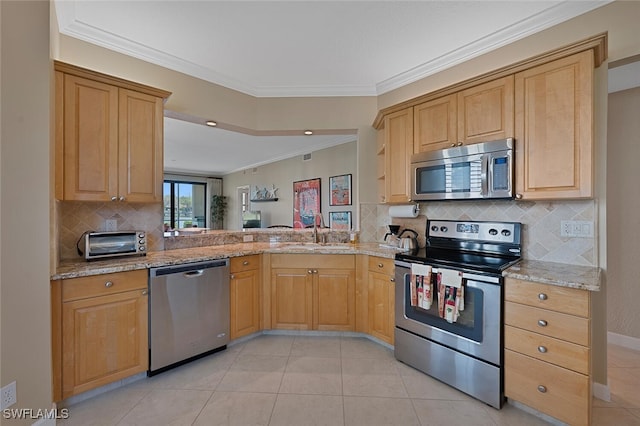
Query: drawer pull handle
(380,265)
(542,296)
(108,284)
(542,389)
(542,323)
(245,263)
(542,349)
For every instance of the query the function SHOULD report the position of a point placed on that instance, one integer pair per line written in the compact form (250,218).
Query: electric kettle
(408,243)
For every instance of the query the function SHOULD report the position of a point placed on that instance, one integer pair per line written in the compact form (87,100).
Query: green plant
(218,210)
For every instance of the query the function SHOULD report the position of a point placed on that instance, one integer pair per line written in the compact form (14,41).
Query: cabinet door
(291,298)
(381,310)
(140,147)
(398,132)
(245,303)
(485,112)
(334,299)
(435,124)
(554,134)
(90,152)
(104,339)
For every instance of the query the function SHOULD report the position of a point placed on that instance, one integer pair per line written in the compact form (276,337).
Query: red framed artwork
(340,187)
(306,202)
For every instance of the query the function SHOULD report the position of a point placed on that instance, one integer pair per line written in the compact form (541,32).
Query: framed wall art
(306,202)
(340,187)
(340,220)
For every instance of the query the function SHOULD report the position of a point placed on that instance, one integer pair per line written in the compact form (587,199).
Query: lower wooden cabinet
(102,335)
(244,295)
(548,350)
(381,298)
(313,292)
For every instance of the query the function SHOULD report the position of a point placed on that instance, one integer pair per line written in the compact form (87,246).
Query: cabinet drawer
(558,352)
(335,261)
(381,265)
(99,285)
(550,389)
(244,263)
(563,299)
(550,323)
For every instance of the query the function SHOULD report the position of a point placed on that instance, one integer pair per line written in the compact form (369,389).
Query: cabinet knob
(453,144)
(108,284)
(542,349)
(459,144)
(114,198)
(542,389)
(245,263)
(542,323)
(393,280)
(518,196)
(380,265)
(542,296)
(233,277)
(309,272)
(315,271)
(145,292)
(121,198)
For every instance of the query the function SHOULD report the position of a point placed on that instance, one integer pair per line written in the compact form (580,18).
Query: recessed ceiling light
(308,132)
(211,123)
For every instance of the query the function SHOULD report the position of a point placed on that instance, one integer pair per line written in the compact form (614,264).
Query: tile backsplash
(541,239)
(76,217)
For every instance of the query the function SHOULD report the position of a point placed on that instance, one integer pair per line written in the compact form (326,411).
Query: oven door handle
(465,275)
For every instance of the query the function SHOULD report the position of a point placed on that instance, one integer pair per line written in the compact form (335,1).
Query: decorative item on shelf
(264,194)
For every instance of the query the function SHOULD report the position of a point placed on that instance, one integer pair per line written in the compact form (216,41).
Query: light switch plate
(576,228)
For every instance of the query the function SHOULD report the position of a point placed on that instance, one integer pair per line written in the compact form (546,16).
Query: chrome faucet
(315,228)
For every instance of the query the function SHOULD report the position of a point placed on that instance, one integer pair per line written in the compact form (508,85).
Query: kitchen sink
(315,246)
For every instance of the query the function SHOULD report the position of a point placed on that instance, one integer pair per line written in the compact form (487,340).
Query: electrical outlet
(576,228)
(247,238)
(9,395)
(111,224)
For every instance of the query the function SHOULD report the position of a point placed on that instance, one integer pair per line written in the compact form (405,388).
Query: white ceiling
(299,48)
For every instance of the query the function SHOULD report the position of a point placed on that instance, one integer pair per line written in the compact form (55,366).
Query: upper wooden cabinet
(478,114)
(398,148)
(554,129)
(109,138)
(485,112)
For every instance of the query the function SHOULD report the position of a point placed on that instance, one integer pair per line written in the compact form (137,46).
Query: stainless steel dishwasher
(188,312)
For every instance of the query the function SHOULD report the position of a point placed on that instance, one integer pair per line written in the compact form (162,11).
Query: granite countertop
(560,274)
(80,268)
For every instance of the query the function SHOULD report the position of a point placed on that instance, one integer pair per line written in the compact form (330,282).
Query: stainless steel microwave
(478,171)
(99,245)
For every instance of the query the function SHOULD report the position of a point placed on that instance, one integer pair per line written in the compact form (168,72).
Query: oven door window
(124,243)
(469,323)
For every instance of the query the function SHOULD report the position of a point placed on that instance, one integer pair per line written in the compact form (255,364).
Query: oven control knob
(506,232)
(493,231)
(434,228)
(444,229)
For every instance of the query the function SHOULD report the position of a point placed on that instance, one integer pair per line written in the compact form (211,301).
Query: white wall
(337,160)
(26,75)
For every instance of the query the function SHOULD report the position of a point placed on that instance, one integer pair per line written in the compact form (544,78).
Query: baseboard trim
(624,341)
(601,391)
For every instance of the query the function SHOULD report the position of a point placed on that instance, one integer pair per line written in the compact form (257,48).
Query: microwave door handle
(484,173)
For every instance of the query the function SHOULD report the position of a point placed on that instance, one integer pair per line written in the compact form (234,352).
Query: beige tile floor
(314,380)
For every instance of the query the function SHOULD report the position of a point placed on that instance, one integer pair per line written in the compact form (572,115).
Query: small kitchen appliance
(461,266)
(99,245)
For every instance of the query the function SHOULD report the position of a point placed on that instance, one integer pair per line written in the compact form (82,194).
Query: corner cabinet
(554,129)
(244,293)
(313,292)
(109,137)
(548,330)
(99,329)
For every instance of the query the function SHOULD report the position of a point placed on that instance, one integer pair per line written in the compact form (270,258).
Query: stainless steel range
(448,304)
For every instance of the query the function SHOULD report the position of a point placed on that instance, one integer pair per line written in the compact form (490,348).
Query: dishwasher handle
(197,268)
(193,274)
